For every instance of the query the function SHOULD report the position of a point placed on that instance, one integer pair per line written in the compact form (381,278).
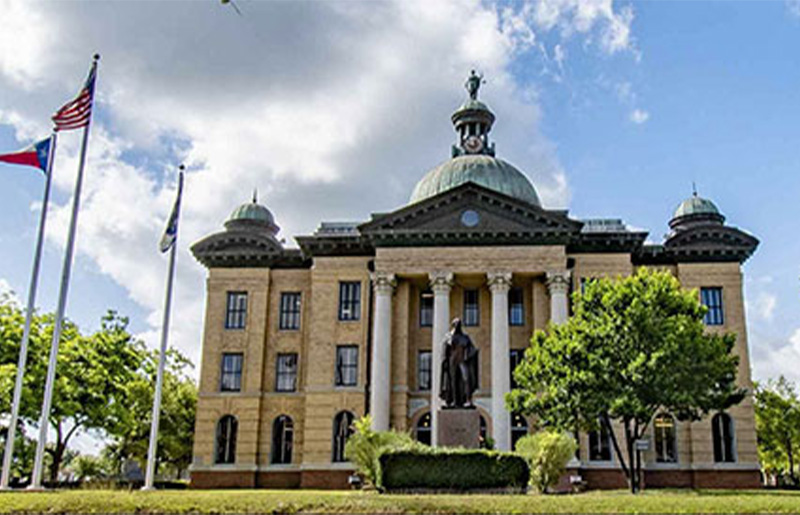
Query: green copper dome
(490,172)
(252,211)
(696,206)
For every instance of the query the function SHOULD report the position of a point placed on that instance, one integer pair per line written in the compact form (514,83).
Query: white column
(441,283)
(381,381)
(558,287)
(499,283)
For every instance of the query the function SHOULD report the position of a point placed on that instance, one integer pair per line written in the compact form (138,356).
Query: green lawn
(293,501)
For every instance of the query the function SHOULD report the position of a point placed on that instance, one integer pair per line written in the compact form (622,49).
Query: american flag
(77,112)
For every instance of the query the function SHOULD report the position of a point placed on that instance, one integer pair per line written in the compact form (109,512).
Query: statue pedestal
(459,428)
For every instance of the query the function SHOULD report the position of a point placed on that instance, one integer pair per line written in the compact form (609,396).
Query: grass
(300,501)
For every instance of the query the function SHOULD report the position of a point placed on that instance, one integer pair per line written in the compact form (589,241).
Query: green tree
(104,383)
(634,346)
(547,453)
(130,435)
(778,427)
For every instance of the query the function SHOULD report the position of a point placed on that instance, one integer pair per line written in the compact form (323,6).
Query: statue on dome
(459,368)
(473,84)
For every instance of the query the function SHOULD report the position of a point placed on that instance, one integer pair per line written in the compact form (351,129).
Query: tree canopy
(103,380)
(778,428)
(634,347)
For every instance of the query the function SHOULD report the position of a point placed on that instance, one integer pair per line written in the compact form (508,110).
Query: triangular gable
(471,213)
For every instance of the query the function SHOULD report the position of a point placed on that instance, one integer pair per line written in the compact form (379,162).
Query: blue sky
(335,110)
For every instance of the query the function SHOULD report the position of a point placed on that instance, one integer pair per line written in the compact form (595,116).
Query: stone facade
(275,411)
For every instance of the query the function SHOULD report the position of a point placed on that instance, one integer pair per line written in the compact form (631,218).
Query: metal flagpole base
(147,489)
(37,489)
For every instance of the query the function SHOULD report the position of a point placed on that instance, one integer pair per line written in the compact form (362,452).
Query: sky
(334,110)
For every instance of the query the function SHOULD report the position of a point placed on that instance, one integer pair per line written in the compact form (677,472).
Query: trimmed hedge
(451,469)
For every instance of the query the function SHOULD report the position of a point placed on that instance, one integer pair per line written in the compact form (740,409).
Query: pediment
(712,241)
(471,212)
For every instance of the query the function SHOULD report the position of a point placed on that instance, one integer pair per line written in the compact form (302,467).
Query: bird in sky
(224,2)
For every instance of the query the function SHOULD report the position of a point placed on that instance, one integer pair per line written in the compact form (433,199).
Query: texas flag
(35,155)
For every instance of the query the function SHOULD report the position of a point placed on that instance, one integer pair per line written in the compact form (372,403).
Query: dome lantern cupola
(473,122)
(695,211)
(252,216)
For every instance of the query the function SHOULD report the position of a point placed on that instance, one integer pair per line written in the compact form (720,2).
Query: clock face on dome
(473,144)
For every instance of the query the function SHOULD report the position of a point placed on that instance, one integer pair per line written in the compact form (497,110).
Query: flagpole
(153,446)
(8,456)
(44,422)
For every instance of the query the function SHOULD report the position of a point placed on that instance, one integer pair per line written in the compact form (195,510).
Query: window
(286,373)
(346,365)
(600,444)
(236,310)
(664,429)
(519,428)
(424,370)
(426,309)
(712,299)
(514,358)
(290,311)
(282,437)
(472,312)
(424,429)
(226,439)
(349,301)
(482,433)
(342,429)
(231,377)
(722,433)
(516,307)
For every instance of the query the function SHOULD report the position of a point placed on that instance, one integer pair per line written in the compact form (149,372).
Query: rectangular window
(426,309)
(231,376)
(600,444)
(286,373)
(472,312)
(424,370)
(516,307)
(290,311)
(236,310)
(349,301)
(514,359)
(712,299)
(346,365)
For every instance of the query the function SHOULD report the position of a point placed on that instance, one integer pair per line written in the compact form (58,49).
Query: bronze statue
(473,84)
(459,368)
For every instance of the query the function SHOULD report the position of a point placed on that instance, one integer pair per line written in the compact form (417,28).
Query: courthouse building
(299,342)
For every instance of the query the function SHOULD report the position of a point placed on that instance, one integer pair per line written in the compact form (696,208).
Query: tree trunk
(790,455)
(58,456)
(629,444)
(615,443)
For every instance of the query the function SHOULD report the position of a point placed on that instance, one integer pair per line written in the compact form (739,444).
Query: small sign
(642,445)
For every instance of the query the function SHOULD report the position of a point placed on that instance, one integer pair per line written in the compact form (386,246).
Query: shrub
(452,469)
(547,453)
(364,446)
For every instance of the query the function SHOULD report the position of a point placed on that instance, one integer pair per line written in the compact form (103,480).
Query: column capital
(558,281)
(383,282)
(499,281)
(441,282)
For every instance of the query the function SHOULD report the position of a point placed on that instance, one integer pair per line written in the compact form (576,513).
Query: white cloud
(7,293)
(353,106)
(639,116)
(765,305)
(793,7)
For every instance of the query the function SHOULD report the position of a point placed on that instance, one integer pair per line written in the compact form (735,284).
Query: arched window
(600,443)
(664,429)
(342,429)
(226,439)
(282,438)
(482,433)
(722,433)
(424,429)
(519,428)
